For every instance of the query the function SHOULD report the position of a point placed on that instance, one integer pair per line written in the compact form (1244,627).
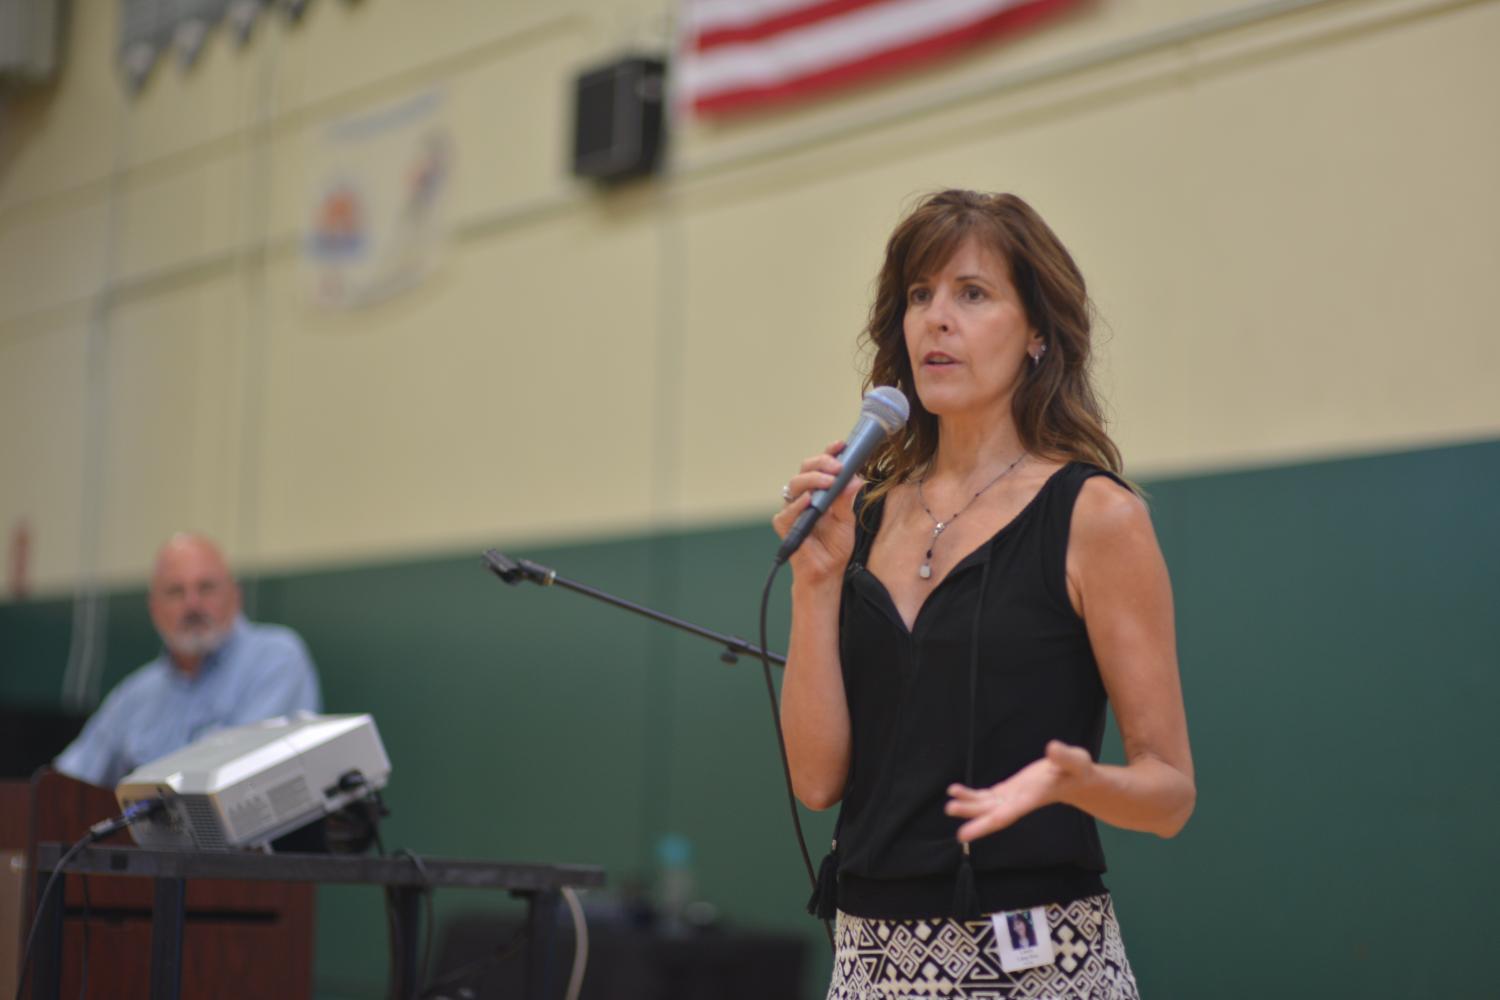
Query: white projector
(246,786)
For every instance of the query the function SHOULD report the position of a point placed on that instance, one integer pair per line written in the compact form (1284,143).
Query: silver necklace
(925,571)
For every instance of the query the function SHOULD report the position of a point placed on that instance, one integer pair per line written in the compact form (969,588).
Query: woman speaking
(959,621)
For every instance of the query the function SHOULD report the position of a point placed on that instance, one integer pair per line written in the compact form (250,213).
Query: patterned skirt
(959,960)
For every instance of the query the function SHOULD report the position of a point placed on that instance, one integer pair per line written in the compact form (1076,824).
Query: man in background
(216,670)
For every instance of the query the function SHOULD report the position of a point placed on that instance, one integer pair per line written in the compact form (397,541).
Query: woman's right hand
(825,553)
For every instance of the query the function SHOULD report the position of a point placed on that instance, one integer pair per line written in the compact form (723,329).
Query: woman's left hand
(1043,782)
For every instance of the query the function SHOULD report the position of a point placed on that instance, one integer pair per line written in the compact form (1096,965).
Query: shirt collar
(237,630)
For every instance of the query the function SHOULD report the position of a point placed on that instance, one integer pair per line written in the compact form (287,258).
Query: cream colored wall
(1286,213)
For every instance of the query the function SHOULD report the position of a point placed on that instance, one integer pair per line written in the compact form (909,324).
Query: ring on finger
(786,493)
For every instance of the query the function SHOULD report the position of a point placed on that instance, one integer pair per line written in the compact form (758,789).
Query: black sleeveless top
(1000,625)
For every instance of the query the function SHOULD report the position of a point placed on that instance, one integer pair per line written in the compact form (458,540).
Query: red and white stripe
(738,54)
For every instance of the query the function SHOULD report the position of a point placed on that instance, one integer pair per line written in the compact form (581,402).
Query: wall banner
(149,28)
(376,220)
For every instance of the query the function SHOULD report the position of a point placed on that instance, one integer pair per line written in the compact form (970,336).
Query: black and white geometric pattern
(959,960)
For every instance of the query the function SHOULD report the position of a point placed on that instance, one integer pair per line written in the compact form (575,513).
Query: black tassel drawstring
(965,892)
(966,905)
(823,903)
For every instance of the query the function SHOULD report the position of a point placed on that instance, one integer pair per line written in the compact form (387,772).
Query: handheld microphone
(883,413)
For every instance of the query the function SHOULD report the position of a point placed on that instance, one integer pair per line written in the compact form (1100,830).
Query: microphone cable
(786,767)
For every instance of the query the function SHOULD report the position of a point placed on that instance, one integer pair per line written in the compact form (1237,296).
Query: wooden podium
(241,939)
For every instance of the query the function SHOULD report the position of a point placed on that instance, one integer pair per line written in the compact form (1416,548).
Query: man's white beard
(196,643)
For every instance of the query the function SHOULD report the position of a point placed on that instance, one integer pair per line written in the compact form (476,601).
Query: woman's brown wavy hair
(1056,410)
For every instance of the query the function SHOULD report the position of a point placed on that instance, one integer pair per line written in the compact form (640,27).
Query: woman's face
(967,335)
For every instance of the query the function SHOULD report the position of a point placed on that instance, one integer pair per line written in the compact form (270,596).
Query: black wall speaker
(617,122)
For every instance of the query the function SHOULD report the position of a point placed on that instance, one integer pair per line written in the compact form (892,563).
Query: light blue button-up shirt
(260,672)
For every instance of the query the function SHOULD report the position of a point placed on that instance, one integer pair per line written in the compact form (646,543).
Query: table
(539,884)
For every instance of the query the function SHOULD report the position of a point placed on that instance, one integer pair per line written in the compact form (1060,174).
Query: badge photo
(1024,938)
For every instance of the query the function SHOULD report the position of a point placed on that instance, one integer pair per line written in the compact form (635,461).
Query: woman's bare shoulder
(1107,510)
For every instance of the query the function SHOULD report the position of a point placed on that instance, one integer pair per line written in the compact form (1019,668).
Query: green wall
(1338,634)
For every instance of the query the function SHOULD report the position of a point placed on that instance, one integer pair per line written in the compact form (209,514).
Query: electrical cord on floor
(502,952)
(105,828)
(786,767)
(507,949)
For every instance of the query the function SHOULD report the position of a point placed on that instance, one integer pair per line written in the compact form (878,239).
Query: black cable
(36,920)
(374,808)
(786,767)
(390,942)
(427,905)
(83,985)
(393,937)
(97,832)
(501,952)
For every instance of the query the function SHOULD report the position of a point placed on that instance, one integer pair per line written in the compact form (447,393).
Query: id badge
(1025,939)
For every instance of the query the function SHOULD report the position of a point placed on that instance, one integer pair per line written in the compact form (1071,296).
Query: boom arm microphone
(883,413)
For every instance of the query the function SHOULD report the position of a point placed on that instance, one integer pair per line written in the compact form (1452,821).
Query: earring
(1036,358)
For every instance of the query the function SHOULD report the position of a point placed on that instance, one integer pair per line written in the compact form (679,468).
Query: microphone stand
(514,571)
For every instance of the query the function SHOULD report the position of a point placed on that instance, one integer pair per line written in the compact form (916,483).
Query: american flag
(741,54)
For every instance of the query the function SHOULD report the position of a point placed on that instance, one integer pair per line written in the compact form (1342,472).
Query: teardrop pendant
(925,570)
